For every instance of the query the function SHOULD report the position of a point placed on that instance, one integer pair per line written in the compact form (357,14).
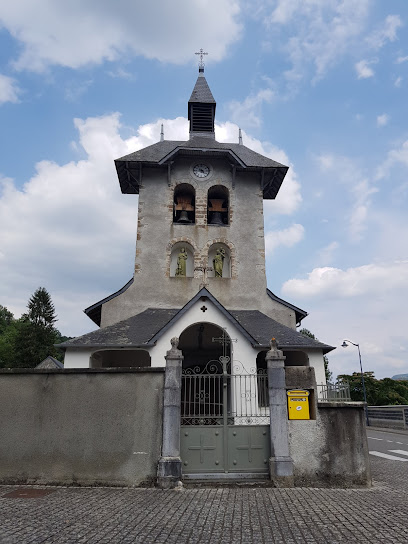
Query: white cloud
(74,90)
(75,33)
(364,70)
(360,189)
(398,81)
(9,90)
(317,33)
(248,113)
(387,32)
(326,254)
(395,156)
(383,120)
(286,237)
(337,283)
(400,60)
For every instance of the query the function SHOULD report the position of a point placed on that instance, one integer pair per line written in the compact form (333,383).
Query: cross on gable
(203,308)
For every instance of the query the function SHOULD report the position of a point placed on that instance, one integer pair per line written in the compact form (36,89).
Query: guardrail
(333,392)
(393,417)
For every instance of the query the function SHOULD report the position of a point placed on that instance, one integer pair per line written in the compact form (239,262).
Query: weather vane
(201,53)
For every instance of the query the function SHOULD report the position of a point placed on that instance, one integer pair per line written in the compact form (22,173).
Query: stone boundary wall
(80,426)
(332,450)
(391,417)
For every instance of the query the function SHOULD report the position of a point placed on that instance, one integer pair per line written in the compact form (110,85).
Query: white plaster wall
(77,358)
(316,361)
(242,349)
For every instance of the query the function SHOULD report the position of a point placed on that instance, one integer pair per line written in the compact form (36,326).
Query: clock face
(201,170)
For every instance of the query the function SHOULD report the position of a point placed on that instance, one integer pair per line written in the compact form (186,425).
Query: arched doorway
(224,428)
(202,345)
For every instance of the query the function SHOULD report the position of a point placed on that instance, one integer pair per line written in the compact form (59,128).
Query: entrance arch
(198,347)
(224,428)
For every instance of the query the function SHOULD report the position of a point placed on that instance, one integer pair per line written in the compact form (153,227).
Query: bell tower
(200,221)
(201,106)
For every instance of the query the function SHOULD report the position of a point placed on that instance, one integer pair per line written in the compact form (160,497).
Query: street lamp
(345,345)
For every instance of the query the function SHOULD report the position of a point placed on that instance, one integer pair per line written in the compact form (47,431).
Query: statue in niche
(218,262)
(181,263)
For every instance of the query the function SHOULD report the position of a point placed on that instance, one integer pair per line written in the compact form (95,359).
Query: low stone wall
(90,426)
(390,417)
(331,450)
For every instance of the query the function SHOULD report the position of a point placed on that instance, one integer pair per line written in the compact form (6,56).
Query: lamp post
(345,345)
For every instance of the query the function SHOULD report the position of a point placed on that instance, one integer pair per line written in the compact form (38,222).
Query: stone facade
(157,233)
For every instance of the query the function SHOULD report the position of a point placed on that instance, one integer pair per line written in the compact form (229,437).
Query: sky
(319,85)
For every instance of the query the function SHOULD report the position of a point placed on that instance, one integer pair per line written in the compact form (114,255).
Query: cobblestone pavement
(213,515)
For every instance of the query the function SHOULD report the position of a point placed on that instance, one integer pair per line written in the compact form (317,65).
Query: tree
(8,331)
(25,342)
(6,318)
(329,374)
(379,392)
(41,310)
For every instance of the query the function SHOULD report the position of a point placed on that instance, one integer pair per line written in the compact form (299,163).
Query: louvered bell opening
(202,118)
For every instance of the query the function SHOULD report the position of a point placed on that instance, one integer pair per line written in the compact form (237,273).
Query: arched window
(219,261)
(218,206)
(184,204)
(182,260)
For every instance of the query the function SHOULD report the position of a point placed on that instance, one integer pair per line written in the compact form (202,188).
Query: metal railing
(394,416)
(333,392)
(220,399)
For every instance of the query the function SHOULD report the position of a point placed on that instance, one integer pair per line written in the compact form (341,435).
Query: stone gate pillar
(280,464)
(169,467)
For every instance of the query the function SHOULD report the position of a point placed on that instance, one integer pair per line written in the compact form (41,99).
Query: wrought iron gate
(224,420)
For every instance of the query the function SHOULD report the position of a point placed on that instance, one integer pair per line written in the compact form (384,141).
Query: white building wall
(242,350)
(78,358)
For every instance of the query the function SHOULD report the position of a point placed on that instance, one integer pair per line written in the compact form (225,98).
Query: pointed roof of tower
(201,91)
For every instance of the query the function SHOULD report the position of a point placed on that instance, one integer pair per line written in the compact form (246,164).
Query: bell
(183,217)
(216,219)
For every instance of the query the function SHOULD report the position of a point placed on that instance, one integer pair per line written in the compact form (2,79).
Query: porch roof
(144,329)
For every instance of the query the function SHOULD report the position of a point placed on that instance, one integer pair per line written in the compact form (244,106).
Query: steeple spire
(201,106)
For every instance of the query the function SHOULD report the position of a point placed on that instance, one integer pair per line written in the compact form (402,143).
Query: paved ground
(224,515)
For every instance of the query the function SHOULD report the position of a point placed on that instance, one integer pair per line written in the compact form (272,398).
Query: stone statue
(181,263)
(218,262)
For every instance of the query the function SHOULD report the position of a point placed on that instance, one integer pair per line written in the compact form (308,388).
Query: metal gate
(224,420)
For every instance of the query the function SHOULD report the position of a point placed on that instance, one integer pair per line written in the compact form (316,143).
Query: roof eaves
(324,347)
(203,150)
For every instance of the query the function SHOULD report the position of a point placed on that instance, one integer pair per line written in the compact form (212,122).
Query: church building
(199,299)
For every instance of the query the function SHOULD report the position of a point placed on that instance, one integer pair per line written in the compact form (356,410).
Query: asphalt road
(392,446)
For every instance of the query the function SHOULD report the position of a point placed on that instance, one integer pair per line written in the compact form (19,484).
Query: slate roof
(262,328)
(145,329)
(50,362)
(129,167)
(201,91)
(135,331)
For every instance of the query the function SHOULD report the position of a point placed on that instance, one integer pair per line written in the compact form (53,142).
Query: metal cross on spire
(201,53)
